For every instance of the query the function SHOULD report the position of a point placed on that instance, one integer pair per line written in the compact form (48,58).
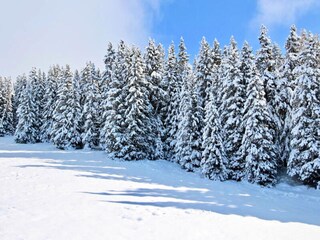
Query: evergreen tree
(66,116)
(304,158)
(232,103)
(154,73)
(173,102)
(6,110)
(266,64)
(214,160)
(288,82)
(115,139)
(26,130)
(19,86)
(107,76)
(90,113)
(258,151)
(188,146)
(216,74)
(141,132)
(50,99)
(204,72)
(36,104)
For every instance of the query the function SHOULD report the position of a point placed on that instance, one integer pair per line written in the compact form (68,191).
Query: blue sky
(44,32)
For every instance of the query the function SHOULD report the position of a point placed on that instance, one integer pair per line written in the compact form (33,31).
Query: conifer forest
(233,114)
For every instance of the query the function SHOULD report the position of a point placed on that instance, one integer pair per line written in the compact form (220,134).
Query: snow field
(50,194)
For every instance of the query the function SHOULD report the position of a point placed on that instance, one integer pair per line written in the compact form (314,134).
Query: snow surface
(50,194)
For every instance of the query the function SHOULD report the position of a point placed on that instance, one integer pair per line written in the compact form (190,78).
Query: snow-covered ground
(47,194)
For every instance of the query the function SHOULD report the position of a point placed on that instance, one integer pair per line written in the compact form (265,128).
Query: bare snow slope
(69,195)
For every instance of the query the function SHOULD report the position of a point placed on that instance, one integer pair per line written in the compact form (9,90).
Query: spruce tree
(20,84)
(289,81)
(6,108)
(214,160)
(26,130)
(66,115)
(232,102)
(258,151)
(266,64)
(203,73)
(141,132)
(304,158)
(90,112)
(116,106)
(154,73)
(107,76)
(50,98)
(173,102)
(188,147)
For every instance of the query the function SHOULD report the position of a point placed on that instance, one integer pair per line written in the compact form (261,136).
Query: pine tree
(90,113)
(232,103)
(26,130)
(50,98)
(2,107)
(172,105)
(66,116)
(141,132)
(19,86)
(6,110)
(36,94)
(154,73)
(214,160)
(304,158)
(288,82)
(188,146)
(204,72)
(266,64)
(107,76)
(116,106)
(258,151)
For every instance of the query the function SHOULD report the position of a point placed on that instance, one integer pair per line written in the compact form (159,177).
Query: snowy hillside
(47,194)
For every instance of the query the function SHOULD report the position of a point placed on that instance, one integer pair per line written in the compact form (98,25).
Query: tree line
(231,115)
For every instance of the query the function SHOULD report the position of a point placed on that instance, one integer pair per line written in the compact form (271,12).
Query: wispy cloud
(43,32)
(281,12)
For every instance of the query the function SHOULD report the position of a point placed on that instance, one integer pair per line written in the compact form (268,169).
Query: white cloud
(281,12)
(44,32)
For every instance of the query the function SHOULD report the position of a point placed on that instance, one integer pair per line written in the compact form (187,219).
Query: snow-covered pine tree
(50,98)
(232,102)
(6,110)
(90,111)
(266,64)
(141,132)
(304,158)
(258,150)
(36,104)
(188,147)
(189,115)
(29,114)
(173,102)
(116,106)
(216,77)
(2,106)
(154,74)
(75,112)
(66,116)
(26,130)
(203,73)
(214,160)
(288,82)
(20,84)
(106,80)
